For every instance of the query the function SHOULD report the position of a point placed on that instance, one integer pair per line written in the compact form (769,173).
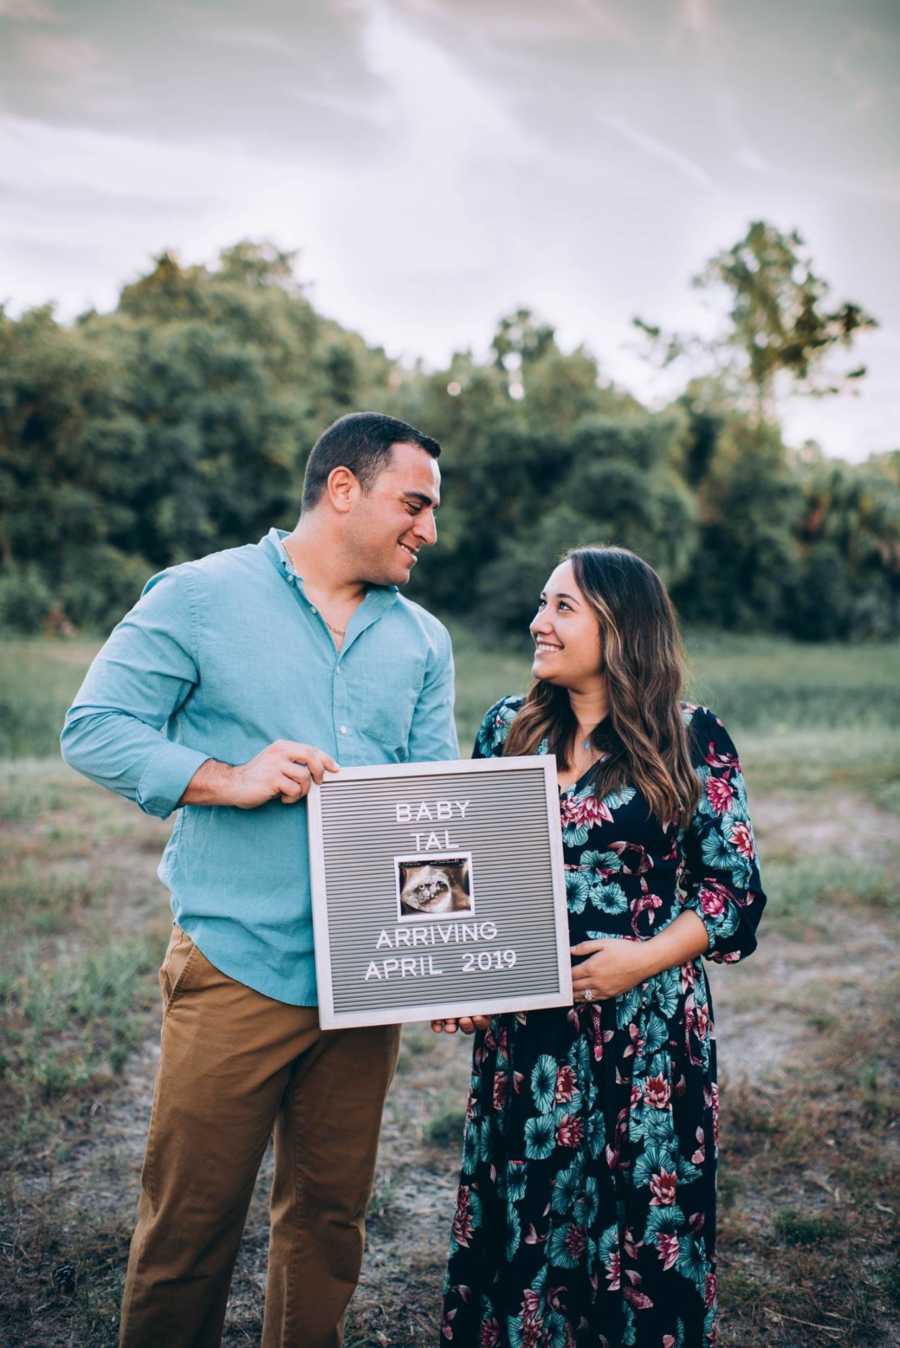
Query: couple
(586,1210)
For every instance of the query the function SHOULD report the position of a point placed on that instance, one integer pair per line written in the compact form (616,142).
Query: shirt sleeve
(720,875)
(114,732)
(491,735)
(432,734)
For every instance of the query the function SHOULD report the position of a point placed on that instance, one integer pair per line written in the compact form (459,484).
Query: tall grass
(82,927)
(762,684)
(38,680)
(823,718)
(775,685)
(753,683)
(67,1023)
(803,893)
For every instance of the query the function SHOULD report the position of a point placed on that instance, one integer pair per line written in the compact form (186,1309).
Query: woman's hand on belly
(616,966)
(611,968)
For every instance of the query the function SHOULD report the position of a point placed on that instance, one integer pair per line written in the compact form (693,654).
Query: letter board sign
(438,890)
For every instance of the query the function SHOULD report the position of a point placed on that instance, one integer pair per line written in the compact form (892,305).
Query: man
(235,682)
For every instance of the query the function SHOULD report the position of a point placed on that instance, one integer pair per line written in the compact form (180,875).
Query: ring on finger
(588,994)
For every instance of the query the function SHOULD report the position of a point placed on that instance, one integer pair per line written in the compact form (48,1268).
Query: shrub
(25,600)
(103,584)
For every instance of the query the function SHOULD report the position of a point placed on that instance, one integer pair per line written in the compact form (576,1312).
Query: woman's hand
(614,966)
(468,1024)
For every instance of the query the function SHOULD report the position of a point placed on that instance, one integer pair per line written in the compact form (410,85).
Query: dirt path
(768,1016)
(772,1012)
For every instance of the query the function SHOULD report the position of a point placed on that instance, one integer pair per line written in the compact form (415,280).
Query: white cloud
(696,15)
(657,149)
(448,163)
(60,55)
(750,158)
(27,11)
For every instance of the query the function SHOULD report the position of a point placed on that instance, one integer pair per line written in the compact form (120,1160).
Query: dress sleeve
(494,728)
(720,876)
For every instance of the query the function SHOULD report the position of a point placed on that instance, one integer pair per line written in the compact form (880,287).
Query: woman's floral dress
(586,1212)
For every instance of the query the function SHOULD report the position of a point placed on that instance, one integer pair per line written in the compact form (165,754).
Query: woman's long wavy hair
(645,739)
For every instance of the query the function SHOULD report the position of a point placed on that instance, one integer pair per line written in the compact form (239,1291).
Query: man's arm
(432,736)
(145,672)
(147,669)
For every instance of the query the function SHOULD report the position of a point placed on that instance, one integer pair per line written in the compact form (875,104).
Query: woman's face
(566,635)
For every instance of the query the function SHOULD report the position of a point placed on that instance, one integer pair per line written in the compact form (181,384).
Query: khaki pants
(234,1065)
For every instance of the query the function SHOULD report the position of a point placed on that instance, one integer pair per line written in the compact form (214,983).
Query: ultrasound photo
(434,886)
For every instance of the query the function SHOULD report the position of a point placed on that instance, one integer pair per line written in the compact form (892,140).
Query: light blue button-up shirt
(217,659)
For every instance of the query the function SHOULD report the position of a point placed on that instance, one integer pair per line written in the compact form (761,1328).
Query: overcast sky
(439,162)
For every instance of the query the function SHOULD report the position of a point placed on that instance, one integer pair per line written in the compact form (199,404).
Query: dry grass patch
(809,1169)
(808,1233)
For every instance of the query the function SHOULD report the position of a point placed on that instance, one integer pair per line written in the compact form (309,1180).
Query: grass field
(807,1029)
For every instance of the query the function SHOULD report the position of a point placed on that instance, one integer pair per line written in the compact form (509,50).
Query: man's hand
(468,1024)
(285,769)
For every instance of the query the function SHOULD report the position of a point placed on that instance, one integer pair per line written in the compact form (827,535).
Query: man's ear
(343,489)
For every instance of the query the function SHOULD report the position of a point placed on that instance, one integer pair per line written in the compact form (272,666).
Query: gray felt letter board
(438,890)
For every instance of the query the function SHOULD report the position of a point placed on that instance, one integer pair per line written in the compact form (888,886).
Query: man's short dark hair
(362,442)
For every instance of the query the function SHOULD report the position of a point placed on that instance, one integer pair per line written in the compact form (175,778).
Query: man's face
(394,519)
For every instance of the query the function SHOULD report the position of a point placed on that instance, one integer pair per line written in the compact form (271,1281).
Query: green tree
(520,339)
(508,430)
(617,488)
(780,321)
(177,424)
(181,423)
(849,535)
(745,568)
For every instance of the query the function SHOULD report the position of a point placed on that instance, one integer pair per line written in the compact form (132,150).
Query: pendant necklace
(587,744)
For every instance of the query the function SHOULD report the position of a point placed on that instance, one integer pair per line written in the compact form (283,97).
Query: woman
(586,1208)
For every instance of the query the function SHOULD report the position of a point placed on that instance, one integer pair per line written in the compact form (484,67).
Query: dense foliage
(180,423)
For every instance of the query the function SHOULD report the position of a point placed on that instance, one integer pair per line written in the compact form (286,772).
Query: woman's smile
(563,605)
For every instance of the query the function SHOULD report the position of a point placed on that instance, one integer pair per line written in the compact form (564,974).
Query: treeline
(180,423)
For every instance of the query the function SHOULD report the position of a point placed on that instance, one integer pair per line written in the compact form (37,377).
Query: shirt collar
(272,544)
(378,597)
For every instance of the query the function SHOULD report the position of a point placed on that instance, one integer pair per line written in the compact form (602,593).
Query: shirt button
(313,610)
(344,730)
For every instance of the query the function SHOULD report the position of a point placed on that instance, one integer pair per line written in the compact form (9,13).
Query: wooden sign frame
(412,924)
